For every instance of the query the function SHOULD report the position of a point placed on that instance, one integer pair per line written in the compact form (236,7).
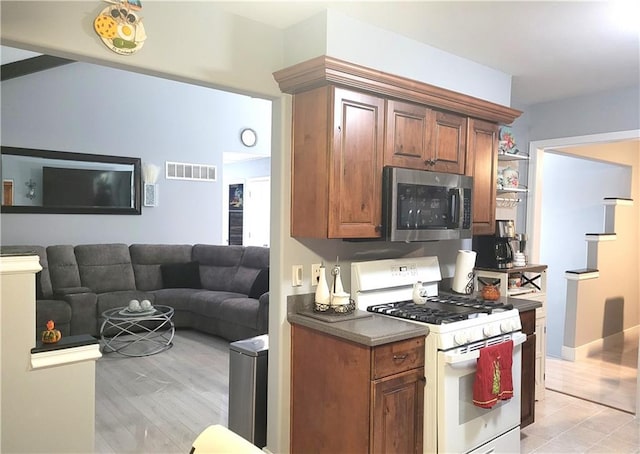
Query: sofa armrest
(84,317)
(60,293)
(263,313)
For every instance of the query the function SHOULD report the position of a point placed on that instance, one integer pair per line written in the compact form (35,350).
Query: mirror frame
(82,157)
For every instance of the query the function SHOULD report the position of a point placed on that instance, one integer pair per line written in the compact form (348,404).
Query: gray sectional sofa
(220,290)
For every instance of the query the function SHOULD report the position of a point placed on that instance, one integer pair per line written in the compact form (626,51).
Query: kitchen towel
(463,276)
(493,381)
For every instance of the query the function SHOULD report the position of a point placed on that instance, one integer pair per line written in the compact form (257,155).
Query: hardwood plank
(161,403)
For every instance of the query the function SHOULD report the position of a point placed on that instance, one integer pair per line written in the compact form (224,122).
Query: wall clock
(248,137)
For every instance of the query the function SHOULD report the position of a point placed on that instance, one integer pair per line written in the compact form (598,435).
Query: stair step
(582,274)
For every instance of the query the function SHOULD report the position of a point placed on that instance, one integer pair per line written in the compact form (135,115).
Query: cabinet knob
(378,228)
(400,357)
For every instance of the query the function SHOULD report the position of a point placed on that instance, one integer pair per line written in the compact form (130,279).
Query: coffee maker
(495,251)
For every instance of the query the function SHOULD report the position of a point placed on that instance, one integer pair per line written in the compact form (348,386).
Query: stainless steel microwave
(418,205)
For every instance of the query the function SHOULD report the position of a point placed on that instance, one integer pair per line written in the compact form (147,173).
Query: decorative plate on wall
(120,27)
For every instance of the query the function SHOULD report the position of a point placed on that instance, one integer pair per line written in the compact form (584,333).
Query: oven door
(462,426)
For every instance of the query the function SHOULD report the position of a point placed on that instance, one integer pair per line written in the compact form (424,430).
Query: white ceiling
(553,50)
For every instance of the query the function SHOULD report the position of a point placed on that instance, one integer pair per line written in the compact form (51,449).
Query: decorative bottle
(418,295)
(337,280)
(323,297)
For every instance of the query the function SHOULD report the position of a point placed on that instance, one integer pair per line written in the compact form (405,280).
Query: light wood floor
(160,403)
(608,377)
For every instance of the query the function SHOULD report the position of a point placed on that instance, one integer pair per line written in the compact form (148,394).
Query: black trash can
(248,362)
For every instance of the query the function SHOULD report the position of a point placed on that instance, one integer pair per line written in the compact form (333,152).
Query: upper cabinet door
(482,160)
(408,135)
(449,143)
(355,188)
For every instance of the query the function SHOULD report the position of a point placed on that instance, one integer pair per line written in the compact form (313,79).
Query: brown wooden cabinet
(528,397)
(347,397)
(337,164)
(449,143)
(417,137)
(340,143)
(408,134)
(482,166)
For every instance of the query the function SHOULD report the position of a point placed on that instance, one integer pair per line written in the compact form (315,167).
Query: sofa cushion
(177,298)
(241,311)
(181,275)
(105,267)
(253,260)
(63,267)
(260,285)
(218,266)
(207,303)
(147,258)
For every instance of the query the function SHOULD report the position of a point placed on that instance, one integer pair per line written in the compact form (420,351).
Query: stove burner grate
(439,310)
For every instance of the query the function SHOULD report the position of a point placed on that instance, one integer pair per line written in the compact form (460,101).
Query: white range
(459,326)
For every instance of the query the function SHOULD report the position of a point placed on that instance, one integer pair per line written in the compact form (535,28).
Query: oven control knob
(490,331)
(506,326)
(461,338)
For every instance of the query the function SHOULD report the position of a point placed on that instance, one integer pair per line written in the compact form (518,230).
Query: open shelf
(512,157)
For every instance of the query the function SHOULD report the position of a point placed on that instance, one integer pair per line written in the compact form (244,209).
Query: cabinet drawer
(397,357)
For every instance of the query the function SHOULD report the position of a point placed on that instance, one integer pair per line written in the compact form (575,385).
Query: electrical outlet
(315,274)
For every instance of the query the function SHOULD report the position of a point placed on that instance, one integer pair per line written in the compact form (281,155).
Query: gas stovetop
(439,310)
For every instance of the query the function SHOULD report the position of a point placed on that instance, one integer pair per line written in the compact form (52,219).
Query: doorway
(257,216)
(246,219)
(572,207)
(537,215)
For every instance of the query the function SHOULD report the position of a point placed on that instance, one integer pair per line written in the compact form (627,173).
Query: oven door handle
(451,358)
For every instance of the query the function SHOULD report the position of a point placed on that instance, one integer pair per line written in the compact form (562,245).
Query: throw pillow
(181,275)
(260,285)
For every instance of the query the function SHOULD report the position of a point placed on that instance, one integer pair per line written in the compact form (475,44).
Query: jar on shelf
(490,292)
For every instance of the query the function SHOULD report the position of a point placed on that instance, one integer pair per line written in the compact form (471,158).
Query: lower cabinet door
(397,413)
(528,398)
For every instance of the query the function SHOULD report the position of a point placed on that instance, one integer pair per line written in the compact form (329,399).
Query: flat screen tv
(62,187)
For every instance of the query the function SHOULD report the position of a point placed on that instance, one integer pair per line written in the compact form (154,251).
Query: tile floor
(589,404)
(567,424)
(608,376)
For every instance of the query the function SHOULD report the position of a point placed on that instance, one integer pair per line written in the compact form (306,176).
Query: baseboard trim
(584,351)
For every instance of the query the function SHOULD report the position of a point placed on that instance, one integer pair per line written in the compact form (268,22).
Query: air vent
(193,172)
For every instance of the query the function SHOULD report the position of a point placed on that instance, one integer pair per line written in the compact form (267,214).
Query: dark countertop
(360,327)
(521,304)
(372,329)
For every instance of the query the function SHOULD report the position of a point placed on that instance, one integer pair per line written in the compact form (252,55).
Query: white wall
(87,108)
(617,110)
(573,192)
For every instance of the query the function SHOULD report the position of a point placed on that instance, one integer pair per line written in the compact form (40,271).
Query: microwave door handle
(455,207)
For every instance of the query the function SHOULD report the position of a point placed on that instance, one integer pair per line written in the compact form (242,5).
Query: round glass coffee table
(137,333)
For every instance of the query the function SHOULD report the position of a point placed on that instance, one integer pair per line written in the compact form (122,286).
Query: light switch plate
(296,275)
